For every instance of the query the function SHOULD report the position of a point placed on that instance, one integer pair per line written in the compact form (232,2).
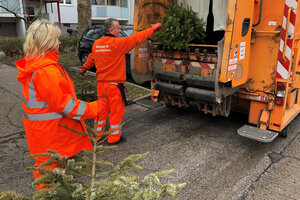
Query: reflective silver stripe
(99,122)
(80,111)
(100,128)
(113,83)
(42,117)
(116,132)
(33,103)
(115,126)
(69,107)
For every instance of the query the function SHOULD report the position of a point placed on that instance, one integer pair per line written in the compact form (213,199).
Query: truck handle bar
(286,33)
(260,13)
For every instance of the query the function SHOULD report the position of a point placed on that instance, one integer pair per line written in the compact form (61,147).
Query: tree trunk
(84,9)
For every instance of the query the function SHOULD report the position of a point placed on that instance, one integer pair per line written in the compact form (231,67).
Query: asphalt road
(210,156)
(205,151)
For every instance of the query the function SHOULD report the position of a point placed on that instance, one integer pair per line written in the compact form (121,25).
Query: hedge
(12,46)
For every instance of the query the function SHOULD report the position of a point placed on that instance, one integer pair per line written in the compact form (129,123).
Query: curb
(141,98)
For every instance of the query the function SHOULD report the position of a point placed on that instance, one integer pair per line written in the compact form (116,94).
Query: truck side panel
(147,12)
(265,47)
(235,66)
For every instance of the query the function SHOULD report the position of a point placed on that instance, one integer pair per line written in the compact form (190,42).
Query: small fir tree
(87,178)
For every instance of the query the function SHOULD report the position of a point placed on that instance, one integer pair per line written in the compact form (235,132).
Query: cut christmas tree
(181,27)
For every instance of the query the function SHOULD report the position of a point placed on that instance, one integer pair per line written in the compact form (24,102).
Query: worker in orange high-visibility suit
(108,55)
(49,98)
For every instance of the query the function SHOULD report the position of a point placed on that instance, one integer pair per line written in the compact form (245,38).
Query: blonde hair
(42,36)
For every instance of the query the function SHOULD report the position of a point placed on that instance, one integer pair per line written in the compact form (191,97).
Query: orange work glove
(82,71)
(156,27)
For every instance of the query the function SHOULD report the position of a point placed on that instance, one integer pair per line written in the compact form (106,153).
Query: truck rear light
(279,101)
(281,87)
(276,124)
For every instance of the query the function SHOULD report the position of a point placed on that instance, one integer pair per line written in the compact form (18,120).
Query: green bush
(68,43)
(12,46)
(181,27)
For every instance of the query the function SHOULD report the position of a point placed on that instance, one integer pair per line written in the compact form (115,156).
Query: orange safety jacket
(50,101)
(108,55)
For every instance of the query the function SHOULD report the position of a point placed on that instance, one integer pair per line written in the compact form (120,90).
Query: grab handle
(286,34)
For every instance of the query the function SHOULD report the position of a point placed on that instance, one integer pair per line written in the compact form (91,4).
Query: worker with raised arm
(50,103)
(108,55)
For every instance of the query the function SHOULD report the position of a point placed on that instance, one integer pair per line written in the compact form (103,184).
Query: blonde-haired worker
(49,97)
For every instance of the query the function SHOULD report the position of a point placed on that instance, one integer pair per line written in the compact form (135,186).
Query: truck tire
(284,133)
(226,106)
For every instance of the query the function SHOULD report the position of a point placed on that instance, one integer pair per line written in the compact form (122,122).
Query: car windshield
(128,32)
(94,33)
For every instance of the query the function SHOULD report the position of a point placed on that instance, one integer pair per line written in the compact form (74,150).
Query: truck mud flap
(169,88)
(200,94)
(258,134)
(176,77)
(200,81)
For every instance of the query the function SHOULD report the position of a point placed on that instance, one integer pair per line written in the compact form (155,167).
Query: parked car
(92,34)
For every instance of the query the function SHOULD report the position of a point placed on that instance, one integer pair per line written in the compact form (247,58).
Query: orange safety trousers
(37,174)
(113,108)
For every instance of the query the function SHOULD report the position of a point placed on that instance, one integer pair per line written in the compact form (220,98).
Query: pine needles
(181,27)
(88,178)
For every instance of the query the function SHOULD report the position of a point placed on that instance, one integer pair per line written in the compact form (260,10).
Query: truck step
(258,134)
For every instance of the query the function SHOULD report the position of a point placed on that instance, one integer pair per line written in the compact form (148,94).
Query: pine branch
(12,196)
(106,163)
(93,173)
(78,132)
(102,149)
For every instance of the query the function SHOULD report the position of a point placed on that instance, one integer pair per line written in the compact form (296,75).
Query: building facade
(9,24)
(63,11)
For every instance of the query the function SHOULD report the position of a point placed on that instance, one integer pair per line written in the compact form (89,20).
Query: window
(123,3)
(98,2)
(112,2)
(68,2)
(31,13)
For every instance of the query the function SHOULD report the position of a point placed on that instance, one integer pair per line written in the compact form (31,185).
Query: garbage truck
(251,65)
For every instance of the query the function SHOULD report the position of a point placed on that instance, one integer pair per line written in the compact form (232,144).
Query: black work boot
(122,139)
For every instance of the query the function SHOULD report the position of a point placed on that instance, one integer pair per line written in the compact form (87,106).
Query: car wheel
(83,57)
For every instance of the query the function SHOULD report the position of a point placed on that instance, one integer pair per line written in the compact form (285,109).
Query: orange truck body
(254,69)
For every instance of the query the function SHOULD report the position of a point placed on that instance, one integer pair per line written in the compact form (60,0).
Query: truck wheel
(284,133)
(226,106)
